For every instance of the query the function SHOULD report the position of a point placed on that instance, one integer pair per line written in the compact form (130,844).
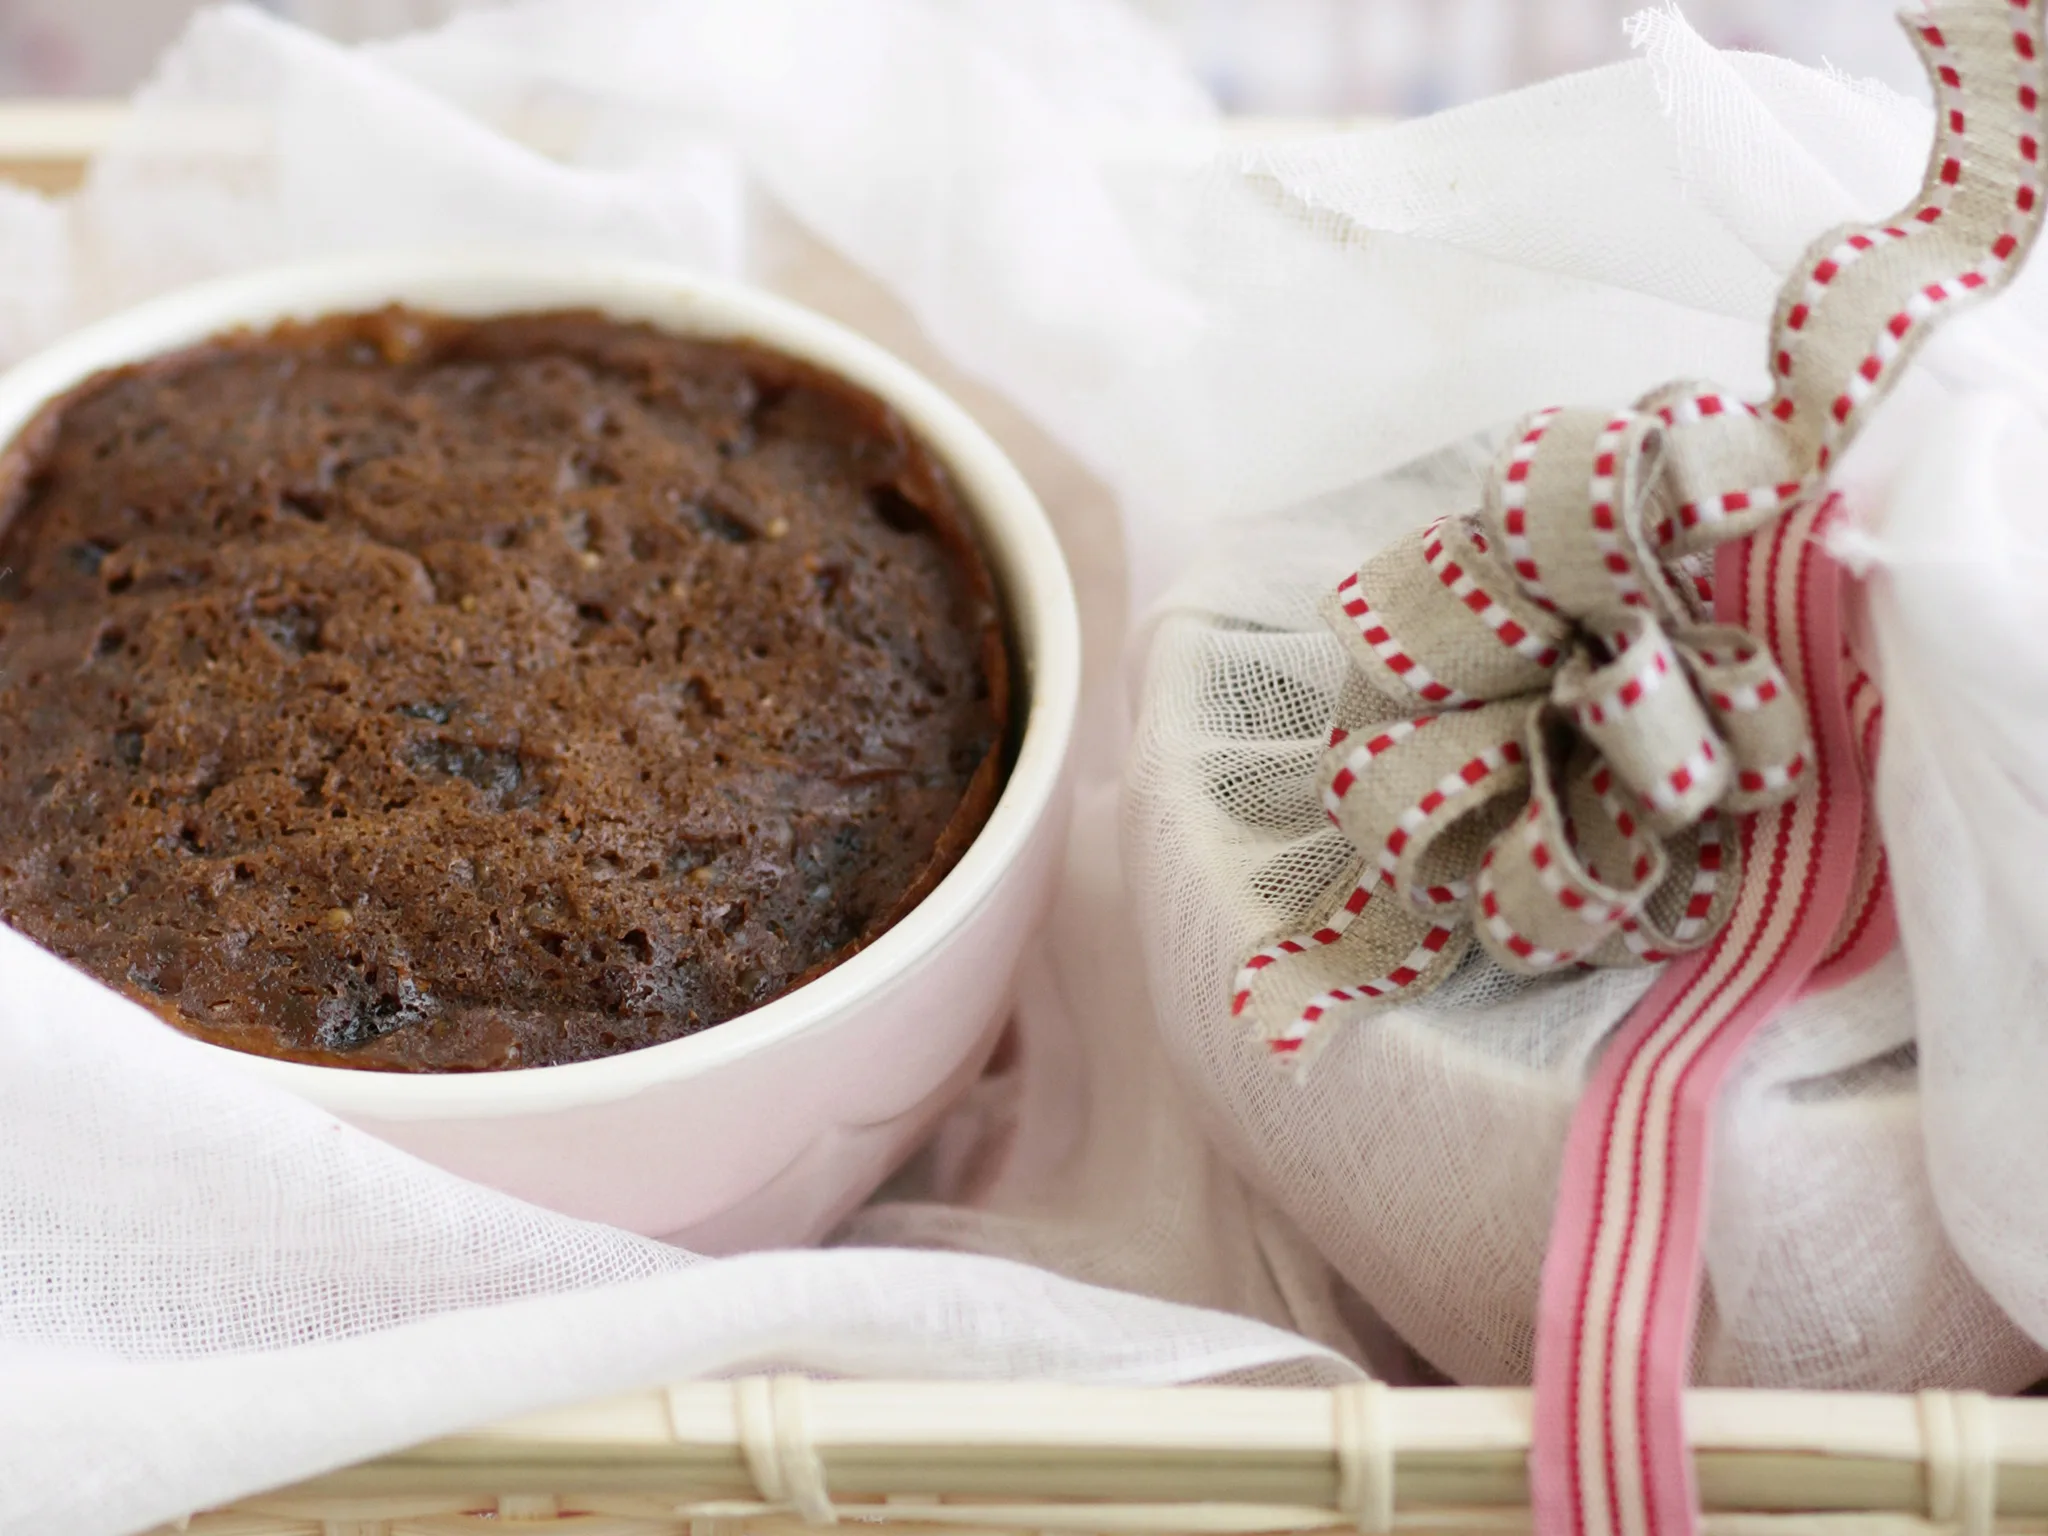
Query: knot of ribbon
(1546,731)
(1566,728)
(1544,737)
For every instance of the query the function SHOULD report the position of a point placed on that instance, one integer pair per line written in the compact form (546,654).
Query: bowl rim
(1023,552)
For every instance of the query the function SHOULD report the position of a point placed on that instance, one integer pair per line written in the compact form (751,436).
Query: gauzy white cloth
(1170,329)
(1874,1213)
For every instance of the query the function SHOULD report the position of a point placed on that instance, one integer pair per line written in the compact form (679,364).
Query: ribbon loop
(1468,567)
(1541,905)
(1370,950)
(1727,471)
(1434,618)
(1596,561)
(1641,714)
(1755,711)
(1424,803)
(1692,904)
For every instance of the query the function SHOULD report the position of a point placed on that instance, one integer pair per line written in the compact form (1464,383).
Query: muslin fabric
(1420,1151)
(1177,331)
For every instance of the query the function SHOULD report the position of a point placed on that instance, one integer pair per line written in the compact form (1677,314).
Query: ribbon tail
(1621,1280)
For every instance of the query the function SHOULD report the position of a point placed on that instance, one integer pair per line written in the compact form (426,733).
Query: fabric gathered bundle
(1422,1151)
(1426,798)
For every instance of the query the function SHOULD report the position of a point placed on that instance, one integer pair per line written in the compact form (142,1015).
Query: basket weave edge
(1045,1456)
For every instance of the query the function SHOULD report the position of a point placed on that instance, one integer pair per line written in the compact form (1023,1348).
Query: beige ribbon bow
(1543,740)
(1544,734)
(1563,728)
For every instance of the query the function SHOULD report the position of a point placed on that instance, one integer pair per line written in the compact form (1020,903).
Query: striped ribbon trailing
(1608,718)
(1620,1285)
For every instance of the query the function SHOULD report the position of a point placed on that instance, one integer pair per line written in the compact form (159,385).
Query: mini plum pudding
(422,694)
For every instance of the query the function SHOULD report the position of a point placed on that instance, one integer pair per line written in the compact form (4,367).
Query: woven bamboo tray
(762,1457)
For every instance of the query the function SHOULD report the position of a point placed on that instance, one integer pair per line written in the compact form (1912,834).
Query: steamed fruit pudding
(421,694)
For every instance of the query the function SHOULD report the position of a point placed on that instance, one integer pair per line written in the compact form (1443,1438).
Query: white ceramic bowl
(769,1128)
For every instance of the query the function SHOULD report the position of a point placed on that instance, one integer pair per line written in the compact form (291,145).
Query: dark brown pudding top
(421,694)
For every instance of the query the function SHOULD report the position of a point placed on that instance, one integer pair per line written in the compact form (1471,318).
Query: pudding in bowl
(455,695)
(582,692)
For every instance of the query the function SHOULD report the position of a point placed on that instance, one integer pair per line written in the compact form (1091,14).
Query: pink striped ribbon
(1621,1284)
(1621,1281)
